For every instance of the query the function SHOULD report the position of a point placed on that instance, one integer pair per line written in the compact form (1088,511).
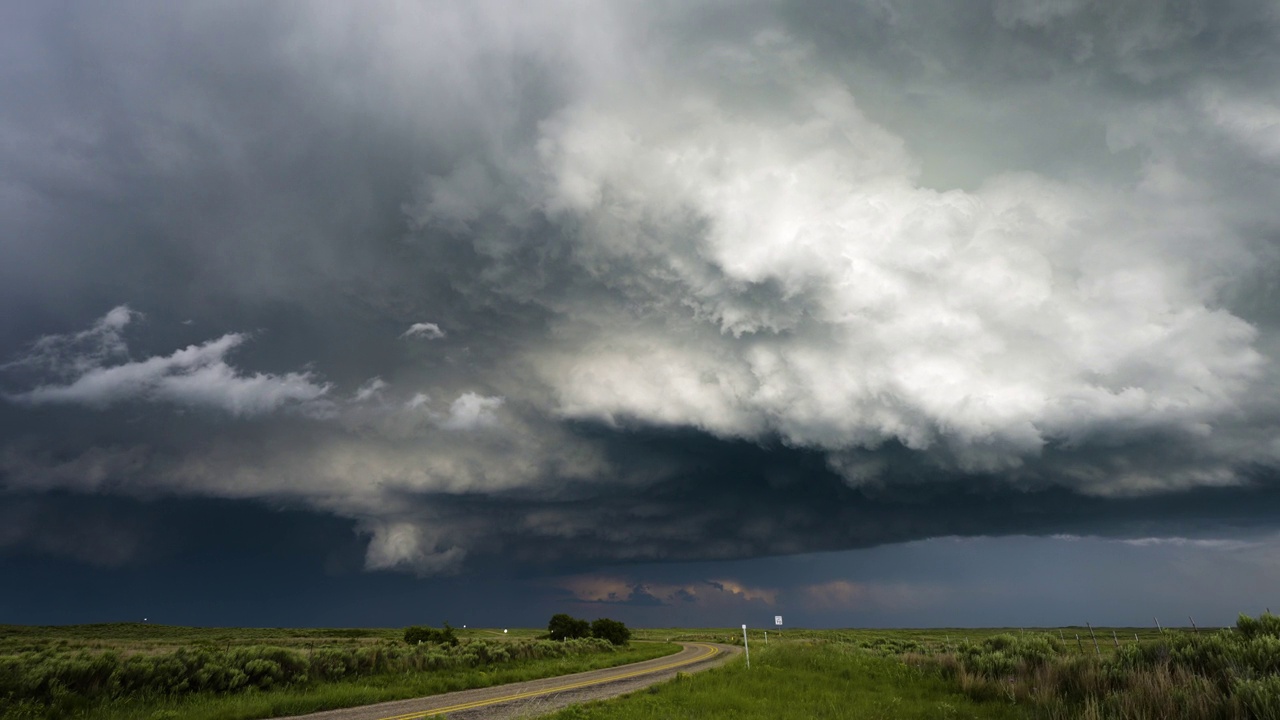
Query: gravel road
(538,697)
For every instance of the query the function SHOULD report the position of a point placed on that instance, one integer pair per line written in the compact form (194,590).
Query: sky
(862,313)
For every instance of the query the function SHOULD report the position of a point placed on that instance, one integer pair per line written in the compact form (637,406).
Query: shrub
(612,630)
(50,683)
(1265,625)
(418,634)
(1210,675)
(1258,698)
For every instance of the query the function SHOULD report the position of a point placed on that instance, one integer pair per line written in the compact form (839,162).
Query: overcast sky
(685,313)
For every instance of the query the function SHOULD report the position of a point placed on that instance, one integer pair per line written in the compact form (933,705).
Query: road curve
(535,697)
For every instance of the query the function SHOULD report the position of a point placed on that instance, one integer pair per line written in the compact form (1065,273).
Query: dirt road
(535,697)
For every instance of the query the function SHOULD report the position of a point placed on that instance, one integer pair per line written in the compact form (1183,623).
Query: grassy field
(1120,673)
(144,637)
(129,671)
(924,639)
(154,672)
(816,679)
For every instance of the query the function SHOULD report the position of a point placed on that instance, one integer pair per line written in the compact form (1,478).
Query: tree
(612,630)
(564,627)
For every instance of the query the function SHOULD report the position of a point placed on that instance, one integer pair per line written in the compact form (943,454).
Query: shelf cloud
(704,281)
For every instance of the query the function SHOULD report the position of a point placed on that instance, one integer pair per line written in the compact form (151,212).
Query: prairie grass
(363,691)
(1227,674)
(801,680)
(109,673)
(929,640)
(1224,675)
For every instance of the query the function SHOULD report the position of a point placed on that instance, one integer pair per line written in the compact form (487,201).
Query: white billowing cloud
(1225,544)
(418,415)
(471,411)
(77,353)
(424,331)
(408,546)
(195,376)
(370,390)
(772,266)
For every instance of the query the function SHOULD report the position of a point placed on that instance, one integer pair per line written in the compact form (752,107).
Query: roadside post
(745,648)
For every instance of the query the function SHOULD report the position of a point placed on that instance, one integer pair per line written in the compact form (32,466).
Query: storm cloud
(572,285)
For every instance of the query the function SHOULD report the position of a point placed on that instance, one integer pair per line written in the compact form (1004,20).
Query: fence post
(745,648)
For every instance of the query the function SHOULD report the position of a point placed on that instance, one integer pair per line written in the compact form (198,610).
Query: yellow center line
(707,651)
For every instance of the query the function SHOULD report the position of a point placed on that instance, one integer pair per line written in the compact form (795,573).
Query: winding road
(536,697)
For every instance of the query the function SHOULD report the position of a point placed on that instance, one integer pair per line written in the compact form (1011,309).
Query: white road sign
(777,619)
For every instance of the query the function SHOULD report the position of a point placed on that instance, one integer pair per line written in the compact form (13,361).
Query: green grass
(134,670)
(925,638)
(800,680)
(147,637)
(916,673)
(1040,674)
(1224,674)
(377,688)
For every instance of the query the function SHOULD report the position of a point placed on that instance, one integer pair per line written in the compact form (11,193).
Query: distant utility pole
(746,649)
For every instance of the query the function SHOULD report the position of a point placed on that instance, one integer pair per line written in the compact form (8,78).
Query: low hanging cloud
(77,353)
(846,596)
(424,331)
(471,411)
(628,591)
(196,376)
(370,390)
(408,546)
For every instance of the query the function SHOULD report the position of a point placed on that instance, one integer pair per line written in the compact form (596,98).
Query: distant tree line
(567,627)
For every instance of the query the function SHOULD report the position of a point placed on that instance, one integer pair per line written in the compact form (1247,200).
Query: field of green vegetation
(121,671)
(139,671)
(814,679)
(1091,673)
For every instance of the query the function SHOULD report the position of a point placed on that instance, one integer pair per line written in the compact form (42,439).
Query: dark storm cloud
(112,532)
(557,284)
(739,500)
